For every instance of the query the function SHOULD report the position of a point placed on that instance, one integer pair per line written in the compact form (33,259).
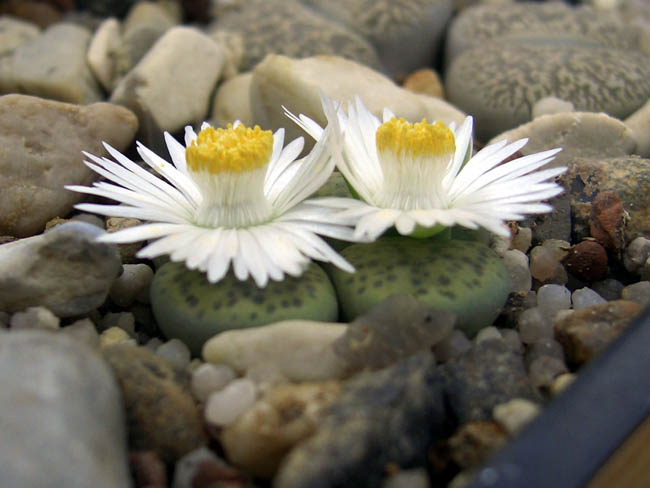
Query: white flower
(233,195)
(420,177)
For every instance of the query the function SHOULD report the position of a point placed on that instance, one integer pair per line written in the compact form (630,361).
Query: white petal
(405,224)
(374,224)
(142,233)
(177,152)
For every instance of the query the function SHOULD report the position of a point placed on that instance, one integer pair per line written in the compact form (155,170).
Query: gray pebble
(552,298)
(55,393)
(609,288)
(123,320)
(534,325)
(516,262)
(35,318)
(14,33)
(636,254)
(82,330)
(64,270)
(585,297)
(452,346)
(637,292)
(131,284)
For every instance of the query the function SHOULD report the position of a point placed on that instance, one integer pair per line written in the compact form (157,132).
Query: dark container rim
(581,428)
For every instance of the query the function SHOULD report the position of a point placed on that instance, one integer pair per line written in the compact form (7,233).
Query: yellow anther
(419,139)
(232,150)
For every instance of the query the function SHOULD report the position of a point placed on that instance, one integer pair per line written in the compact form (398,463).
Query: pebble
(515,414)
(208,378)
(543,264)
(57,392)
(172,85)
(224,406)
(190,308)
(609,288)
(35,318)
(426,82)
(585,297)
(107,8)
(397,327)
(294,83)
(543,370)
(474,442)
(587,261)
(516,262)
(392,25)
(548,347)
(455,344)
(114,335)
(553,298)
(561,383)
(52,65)
(232,101)
(127,251)
(260,438)
(408,478)
(551,105)
(202,468)
(31,131)
(637,292)
(14,33)
(290,28)
(64,270)
(101,53)
(559,248)
(131,284)
(522,239)
(487,334)
(636,254)
(121,320)
(464,277)
(160,410)
(534,325)
(390,416)
(487,375)
(147,469)
(176,352)
(624,175)
(639,124)
(300,350)
(586,332)
(512,338)
(82,330)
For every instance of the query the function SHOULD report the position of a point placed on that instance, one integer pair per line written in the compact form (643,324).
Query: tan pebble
(426,82)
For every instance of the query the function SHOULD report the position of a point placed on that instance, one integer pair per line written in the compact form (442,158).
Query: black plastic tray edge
(581,428)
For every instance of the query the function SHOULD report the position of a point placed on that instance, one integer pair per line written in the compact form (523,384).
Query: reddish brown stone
(147,469)
(587,261)
(586,332)
(212,474)
(607,222)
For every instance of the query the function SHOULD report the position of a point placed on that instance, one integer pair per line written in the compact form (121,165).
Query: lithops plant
(463,277)
(190,308)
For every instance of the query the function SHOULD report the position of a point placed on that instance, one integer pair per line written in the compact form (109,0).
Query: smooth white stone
(515,414)
(224,406)
(209,378)
(586,297)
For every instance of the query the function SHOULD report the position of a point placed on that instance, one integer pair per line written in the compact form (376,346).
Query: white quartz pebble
(224,406)
(586,297)
(515,414)
(176,352)
(553,298)
(209,378)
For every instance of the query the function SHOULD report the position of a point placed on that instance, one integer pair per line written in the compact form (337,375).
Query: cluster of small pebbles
(117,371)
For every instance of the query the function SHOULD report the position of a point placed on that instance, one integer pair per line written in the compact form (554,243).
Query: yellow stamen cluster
(232,150)
(419,139)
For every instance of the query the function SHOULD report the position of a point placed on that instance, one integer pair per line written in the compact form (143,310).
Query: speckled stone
(463,277)
(191,309)
(487,375)
(160,410)
(628,177)
(386,417)
(290,28)
(391,25)
(542,21)
(499,83)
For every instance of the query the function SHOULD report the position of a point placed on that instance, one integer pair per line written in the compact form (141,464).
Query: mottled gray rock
(500,83)
(172,85)
(42,143)
(627,176)
(487,375)
(232,102)
(549,21)
(394,329)
(160,411)
(405,33)
(62,415)
(288,27)
(52,65)
(295,83)
(14,33)
(64,270)
(391,416)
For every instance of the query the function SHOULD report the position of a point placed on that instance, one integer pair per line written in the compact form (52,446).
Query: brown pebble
(147,469)
(586,332)
(474,442)
(212,474)
(607,221)
(425,81)
(587,261)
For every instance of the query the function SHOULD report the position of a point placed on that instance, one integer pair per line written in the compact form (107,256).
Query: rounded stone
(190,308)
(463,277)
(499,83)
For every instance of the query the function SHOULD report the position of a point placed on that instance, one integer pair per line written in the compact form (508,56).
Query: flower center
(420,139)
(230,150)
